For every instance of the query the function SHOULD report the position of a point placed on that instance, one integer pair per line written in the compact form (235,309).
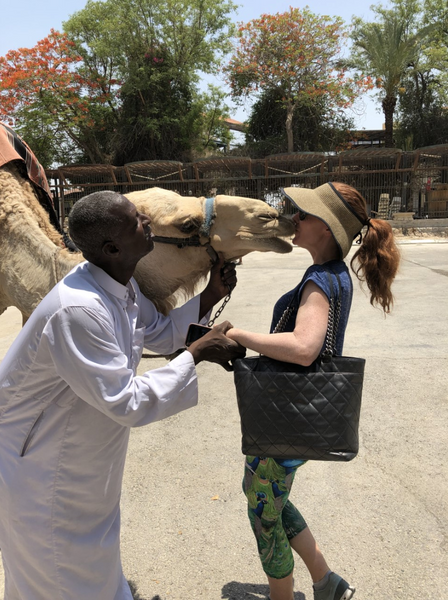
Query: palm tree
(385,50)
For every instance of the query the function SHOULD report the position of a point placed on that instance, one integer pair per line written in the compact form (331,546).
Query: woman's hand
(230,333)
(216,347)
(301,346)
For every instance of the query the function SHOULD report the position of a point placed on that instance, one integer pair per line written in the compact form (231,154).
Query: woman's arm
(303,345)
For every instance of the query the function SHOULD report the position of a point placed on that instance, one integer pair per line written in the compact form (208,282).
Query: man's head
(106,226)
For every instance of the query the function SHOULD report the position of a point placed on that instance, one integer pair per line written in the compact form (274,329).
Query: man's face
(135,238)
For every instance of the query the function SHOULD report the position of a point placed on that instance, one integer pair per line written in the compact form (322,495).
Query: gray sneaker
(336,589)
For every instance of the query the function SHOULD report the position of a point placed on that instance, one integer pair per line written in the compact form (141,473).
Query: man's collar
(108,283)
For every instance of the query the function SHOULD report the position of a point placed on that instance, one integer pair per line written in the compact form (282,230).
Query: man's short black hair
(91,222)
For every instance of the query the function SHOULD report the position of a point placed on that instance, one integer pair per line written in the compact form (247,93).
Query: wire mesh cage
(143,174)
(224,175)
(432,173)
(72,182)
(374,172)
(394,183)
(301,169)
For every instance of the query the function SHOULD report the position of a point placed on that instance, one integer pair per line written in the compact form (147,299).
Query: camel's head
(240,225)
(243,225)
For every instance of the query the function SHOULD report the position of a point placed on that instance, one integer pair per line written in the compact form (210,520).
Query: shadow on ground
(137,596)
(235,590)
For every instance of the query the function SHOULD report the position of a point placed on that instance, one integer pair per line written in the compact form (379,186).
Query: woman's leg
(281,589)
(327,585)
(306,547)
(267,485)
(278,526)
(303,542)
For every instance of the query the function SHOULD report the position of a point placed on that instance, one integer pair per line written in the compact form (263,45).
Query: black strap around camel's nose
(195,240)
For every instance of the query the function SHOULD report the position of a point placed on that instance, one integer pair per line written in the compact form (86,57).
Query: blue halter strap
(194,240)
(209,216)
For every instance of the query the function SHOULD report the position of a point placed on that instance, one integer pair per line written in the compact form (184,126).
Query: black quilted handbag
(309,413)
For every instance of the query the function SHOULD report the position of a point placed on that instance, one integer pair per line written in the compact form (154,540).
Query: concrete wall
(421,227)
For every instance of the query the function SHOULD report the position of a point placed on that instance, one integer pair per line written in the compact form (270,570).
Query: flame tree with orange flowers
(122,83)
(297,54)
(54,102)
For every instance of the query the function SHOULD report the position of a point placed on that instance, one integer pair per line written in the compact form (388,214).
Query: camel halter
(195,240)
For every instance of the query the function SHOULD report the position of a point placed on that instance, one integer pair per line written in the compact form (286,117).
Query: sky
(23,25)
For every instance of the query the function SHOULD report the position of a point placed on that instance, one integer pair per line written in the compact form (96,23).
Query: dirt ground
(381,520)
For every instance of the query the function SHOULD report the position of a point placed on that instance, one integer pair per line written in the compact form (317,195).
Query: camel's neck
(65,261)
(168,270)
(41,251)
(30,262)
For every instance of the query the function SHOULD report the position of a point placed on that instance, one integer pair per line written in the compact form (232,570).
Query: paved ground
(381,519)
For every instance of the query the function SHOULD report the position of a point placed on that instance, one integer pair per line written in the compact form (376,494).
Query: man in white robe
(69,395)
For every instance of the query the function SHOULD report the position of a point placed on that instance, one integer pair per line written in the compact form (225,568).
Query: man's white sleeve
(84,349)
(165,335)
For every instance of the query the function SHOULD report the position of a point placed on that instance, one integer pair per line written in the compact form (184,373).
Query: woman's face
(308,229)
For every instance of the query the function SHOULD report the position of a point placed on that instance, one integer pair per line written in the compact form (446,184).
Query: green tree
(211,122)
(385,50)
(46,94)
(317,127)
(122,83)
(295,53)
(156,49)
(422,118)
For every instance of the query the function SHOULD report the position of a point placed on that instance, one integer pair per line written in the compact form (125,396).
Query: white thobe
(69,395)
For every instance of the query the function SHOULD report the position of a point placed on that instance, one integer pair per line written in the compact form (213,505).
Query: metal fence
(391,180)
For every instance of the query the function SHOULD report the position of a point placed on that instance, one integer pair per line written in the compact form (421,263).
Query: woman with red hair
(327,221)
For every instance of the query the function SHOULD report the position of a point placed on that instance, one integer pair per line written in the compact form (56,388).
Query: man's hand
(222,281)
(216,347)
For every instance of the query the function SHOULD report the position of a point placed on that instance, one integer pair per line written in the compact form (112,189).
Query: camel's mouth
(268,244)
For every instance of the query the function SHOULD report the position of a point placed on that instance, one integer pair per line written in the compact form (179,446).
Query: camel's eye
(190,225)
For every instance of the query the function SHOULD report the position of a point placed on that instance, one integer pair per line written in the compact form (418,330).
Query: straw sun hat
(328,205)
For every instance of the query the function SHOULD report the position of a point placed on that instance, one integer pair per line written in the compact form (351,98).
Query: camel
(33,259)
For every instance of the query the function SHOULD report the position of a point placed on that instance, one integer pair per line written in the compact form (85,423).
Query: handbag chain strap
(334,315)
(284,318)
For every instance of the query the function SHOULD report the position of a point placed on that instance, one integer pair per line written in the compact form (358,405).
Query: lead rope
(220,309)
(209,324)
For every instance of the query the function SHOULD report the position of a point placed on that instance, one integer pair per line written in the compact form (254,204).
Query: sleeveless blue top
(318,274)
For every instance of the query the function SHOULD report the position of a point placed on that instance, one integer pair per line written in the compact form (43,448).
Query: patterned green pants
(274,519)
